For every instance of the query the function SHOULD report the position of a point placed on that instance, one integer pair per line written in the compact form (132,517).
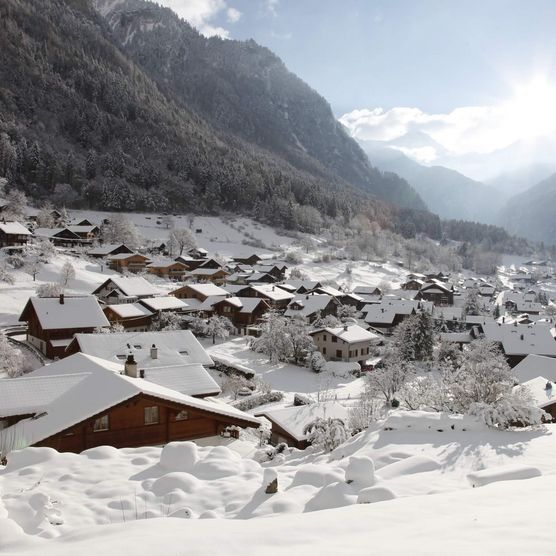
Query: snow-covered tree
(328,321)
(67,273)
(448,354)
(182,239)
(386,381)
(274,340)
(413,339)
(347,312)
(218,327)
(168,320)
(326,434)
(122,230)
(301,342)
(198,326)
(45,219)
(16,202)
(50,289)
(11,359)
(33,266)
(471,302)
(366,410)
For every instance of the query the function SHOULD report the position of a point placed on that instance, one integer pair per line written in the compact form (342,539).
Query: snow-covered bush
(269,453)
(11,359)
(258,400)
(218,327)
(6,276)
(326,434)
(274,340)
(168,320)
(366,410)
(50,289)
(317,362)
(386,381)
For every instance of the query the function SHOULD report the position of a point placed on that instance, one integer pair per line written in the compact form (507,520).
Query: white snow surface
(406,489)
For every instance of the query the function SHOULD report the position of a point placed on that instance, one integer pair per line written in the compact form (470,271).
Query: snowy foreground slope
(176,500)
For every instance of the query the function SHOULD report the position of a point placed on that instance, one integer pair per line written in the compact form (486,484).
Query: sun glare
(532,111)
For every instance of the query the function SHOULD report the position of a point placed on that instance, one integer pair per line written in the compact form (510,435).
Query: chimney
(548,386)
(154,352)
(345,327)
(142,373)
(130,366)
(61,299)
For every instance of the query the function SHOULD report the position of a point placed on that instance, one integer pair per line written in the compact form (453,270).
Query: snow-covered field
(420,498)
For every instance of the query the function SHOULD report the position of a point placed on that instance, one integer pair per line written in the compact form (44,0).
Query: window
(338,353)
(324,351)
(184,352)
(334,339)
(324,337)
(101,424)
(182,416)
(151,415)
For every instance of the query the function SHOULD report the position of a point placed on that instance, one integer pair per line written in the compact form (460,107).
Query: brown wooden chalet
(251,260)
(113,409)
(109,249)
(199,291)
(13,234)
(167,268)
(128,262)
(134,317)
(242,311)
(437,292)
(53,321)
(62,237)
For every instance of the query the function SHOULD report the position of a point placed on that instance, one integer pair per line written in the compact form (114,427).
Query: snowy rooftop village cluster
(160,366)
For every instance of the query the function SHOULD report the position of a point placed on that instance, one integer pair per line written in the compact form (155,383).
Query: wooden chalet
(128,262)
(13,234)
(168,268)
(89,409)
(242,311)
(214,275)
(438,293)
(125,289)
(53,321)
(62,237)
(87,232)
(276,297)
(251,260)
(134,317)
(201,292)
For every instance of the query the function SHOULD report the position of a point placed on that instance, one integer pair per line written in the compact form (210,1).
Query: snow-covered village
(277,276)
(163,366)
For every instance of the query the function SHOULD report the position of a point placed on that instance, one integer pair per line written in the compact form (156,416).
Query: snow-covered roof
(164,303)
(82,229)
(207,289)
(306,305)
(521,339)
(386,311)
(273,292)
(350,334)
(329,290)
(175,347)
(542,395)
(74,312)
(164,263)
(31,394)
(124,256)
(294,419)
(129,310)
(105,249)
(534,366)
(134,286)
(97,392)
(191,379)
(14,228)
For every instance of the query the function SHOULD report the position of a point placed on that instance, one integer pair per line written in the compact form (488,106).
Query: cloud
(272,7)
(465,130)
(233,15)
(200,13)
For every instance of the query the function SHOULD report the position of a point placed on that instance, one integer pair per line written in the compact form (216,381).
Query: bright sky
(460,77)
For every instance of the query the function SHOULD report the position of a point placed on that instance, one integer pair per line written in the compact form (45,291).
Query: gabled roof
(74,312)
(207,271)
(124,256)
(175,347)
(244,304)
(82,229)
(350,334)
(190,379)
(130,286)
(129,310)
(99,391)
(31,394)
(164,303)
(165,263)
(273,292)
(386,311)
(521,339)
(534,366)
(306,305)
(106,249)
(55,232)
(294,419)
(205,289)
(14,228)
(542,395)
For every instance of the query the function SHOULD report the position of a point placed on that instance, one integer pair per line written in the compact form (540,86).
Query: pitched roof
(97,392)
(14,228)
(542,395)
(191,379)
(534,366)
(306,305)
(106,249)
(130,286)
(350,334)
(74,312)
(129,310)
(164,303)
(273,292)
(521,339)
(206,289)
(294,419)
